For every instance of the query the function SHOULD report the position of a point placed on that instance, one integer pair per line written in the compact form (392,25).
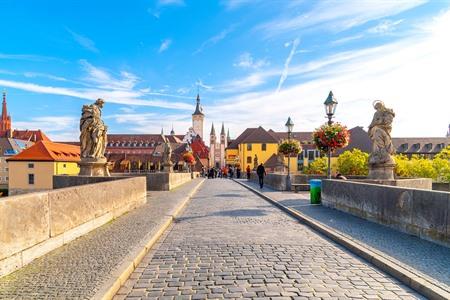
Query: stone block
(430,213)
(40,249)
(10,264)
(24,222)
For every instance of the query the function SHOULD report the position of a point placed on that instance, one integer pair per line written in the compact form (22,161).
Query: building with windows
(8,148)
(217,155)
(32,169)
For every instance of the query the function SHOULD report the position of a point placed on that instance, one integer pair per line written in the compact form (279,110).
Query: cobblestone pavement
(413,253)
(78,269)
(229,243)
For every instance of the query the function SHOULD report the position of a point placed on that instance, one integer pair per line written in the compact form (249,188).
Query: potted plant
(289,147)
(331,137)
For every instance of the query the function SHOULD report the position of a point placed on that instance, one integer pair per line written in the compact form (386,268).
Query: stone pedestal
(381,171)
(168,167)
(94,167)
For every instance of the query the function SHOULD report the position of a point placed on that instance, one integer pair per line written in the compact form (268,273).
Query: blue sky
(255,63)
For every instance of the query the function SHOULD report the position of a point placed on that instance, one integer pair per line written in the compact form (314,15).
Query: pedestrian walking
(248,172)
(238,172)
(261,171)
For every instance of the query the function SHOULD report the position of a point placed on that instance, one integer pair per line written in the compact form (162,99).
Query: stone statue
(93,140)
(381,162)
(167,155)
(255,162)
(92,131)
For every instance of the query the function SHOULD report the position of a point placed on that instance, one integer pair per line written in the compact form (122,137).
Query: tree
(444,153)
(354,162)
(317,167)
(442,167)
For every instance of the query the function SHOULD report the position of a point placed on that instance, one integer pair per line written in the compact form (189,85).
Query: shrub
(353,162)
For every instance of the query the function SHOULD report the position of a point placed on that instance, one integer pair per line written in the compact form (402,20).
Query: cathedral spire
(172,132)
(228,136)
(213,131)
(222,132)
(4,108)
(198,107)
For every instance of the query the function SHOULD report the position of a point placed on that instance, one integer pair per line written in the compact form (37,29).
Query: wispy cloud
(384,27)
(83,41)
(28,57)
(246,61)
(215,39)
(165,45)
(284,75)
(335,15)
(233,4)
(49,76)
(171,2)
(347,39)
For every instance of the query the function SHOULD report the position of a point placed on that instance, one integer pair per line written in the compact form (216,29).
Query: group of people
(225,172)
(234,172)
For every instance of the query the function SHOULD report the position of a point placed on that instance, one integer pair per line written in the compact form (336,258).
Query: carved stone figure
(92,131)
(167,155)
(381,162)
(93,140)
(255,162)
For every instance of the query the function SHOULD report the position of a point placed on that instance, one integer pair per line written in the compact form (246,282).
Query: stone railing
(162,181)
(424,213)
(36,223)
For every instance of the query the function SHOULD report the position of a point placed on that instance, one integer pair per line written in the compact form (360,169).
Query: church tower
(212,150)
(197,118)
(5,123)
(223,145)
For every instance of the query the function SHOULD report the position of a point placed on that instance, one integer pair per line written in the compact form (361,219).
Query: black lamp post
(330,109)
(289,125)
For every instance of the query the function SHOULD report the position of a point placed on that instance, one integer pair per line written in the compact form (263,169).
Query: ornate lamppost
(330,108)
(289,125)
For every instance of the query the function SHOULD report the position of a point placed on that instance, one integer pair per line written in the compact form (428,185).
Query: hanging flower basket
(331,137)
(289,147)
(189,158)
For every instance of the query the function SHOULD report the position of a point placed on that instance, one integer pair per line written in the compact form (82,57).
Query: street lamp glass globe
(289,125)
(330,104)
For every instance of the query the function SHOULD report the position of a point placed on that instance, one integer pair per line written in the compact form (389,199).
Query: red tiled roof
(49,151)
(30,135)
(260,135)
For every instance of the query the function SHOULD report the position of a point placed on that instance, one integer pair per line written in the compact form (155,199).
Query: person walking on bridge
(261,171)
(248,172)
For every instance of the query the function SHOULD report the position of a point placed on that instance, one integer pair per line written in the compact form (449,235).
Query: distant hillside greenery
(355,162)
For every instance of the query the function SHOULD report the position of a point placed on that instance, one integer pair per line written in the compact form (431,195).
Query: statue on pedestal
(255,162)
(167,155)
(93,140)
(381,162)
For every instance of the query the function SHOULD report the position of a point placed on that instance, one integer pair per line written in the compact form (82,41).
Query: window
(249,159)
(264,147)
(30,178)
(64,166)
(311,155)
(249,147)
(30,166)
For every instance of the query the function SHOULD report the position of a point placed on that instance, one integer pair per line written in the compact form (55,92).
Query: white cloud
(347,39)
(58,128)
(246,61)
(284,75)
(336,15)
(410,75)
(49,76)
(83,41)
(165,45)
(215,39)
(384,27)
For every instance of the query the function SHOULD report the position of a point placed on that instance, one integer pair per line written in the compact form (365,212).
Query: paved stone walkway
(413,253)
(230,243)
(78,269)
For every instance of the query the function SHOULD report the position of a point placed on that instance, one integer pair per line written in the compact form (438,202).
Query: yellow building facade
(33,169)
(255,145)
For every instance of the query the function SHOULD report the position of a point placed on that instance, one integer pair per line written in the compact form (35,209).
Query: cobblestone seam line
(123,272)
(415,281)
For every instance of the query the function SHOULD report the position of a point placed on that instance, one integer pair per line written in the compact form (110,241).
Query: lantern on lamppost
(290,126)
(330,109)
